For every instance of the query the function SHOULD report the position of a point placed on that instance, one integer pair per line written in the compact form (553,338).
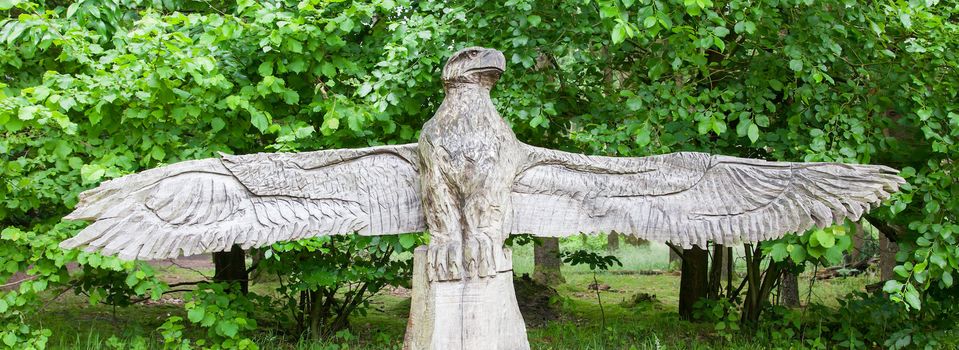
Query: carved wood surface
(254,200)
(690,198)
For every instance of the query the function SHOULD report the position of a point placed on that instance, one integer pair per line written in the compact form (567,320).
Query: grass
(652,325)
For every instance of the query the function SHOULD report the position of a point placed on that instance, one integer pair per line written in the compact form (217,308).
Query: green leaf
(920,267)
(642,137)
(347,25)
(3,306)
(775,84)
(131,280)
(719,126)
(28,112)
(39,285)
(63,149)
(72,9)
(795,65)
(94,260)
(331,123)
(259,121)
(912,297)
(67,102)
(534,20)
(229,328)
(10,338)
(901,271)
(297,66)
(90,173)
(304,132)
(365,89)
(753,132)
(407,240)
(634,103)
(906,21)
(779,252)
(328,69)
(265,69)
(157,153)
(8,4)
(609,10)
(619,33)
(907,172)
(217,124)
(938,259)
(720,31)
(892,286)
(823,238)
(196,314)
(649,22)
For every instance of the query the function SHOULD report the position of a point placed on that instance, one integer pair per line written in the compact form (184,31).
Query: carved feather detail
(690,198)
(252,200)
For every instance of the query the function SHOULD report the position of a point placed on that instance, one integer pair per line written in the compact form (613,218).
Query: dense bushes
(95,89)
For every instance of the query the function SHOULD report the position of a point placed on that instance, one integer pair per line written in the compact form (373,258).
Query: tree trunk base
(231,267)
(547,266)
(692,283)
(468,314)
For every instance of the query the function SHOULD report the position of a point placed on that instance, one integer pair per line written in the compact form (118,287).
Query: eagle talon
(445,261)
(457,260)
(480,261)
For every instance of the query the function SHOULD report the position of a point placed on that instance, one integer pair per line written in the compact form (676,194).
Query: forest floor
(649,323)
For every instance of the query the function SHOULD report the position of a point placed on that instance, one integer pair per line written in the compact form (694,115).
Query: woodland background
(92,90)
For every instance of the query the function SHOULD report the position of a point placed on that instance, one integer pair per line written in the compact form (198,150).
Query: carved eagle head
(474,65)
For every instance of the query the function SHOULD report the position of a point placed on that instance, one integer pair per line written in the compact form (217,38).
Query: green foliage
(826,246)
(96,89)
(325,280)
(226,316)
(593,259)
(172,332)
(21,336)
(721,313)
(864,321)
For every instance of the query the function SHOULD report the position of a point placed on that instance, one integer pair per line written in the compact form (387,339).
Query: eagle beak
(489,60)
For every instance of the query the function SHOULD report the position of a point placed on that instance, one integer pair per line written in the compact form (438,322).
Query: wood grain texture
(690,198)
(254,200)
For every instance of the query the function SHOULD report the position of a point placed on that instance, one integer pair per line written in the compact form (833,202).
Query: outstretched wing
(690,198)
(252,200)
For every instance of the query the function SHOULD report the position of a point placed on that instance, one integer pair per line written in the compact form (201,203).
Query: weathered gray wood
(473,313)
(208,205)
(471,182)
(690,198)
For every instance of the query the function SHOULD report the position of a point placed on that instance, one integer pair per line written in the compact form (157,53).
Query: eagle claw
(457,260)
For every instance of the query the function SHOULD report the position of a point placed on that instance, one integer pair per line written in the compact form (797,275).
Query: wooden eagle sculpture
(469,182)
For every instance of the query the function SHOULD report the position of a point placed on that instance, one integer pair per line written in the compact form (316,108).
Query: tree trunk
(546,262)
(635,241)
(612,241)
(759,283)
(714,285)
(692,284)
(231,267)
(674,257)
(858,244)
(887,257)
(257,256)
(790,289)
